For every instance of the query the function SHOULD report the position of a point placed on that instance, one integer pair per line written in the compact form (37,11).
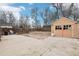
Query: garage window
(69,25)
(58,27)
(65,27)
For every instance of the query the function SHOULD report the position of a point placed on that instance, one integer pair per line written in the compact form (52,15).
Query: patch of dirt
(38,34)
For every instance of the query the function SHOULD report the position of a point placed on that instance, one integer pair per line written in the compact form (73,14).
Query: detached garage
(64,27)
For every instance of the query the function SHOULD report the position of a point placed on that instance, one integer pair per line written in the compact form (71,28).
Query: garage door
(63,30)
(67,31)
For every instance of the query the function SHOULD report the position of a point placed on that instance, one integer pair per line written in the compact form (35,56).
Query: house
(64,27)
(5,30)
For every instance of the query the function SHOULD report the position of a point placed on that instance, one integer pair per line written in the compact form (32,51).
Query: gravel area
(23,45)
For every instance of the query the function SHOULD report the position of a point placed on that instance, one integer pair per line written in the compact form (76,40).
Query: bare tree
(3,20)
(12,19)
(63,8)
(71,10)
(23,23)
(56,5)
(75,11)
(66,10)
(34,14)
(45,15)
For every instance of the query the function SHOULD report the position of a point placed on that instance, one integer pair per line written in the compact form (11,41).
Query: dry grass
(38,34)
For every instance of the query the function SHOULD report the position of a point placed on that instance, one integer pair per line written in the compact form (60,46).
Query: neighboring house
(5,30)
(64,27)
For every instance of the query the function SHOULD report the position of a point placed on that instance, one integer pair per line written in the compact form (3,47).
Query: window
(69,25)
(65,27)
(58,27)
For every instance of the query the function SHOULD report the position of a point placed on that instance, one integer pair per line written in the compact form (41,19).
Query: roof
(64,20)
(6,26)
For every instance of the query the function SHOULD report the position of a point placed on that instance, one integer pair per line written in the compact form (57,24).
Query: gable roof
(64,20)
(6,26)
